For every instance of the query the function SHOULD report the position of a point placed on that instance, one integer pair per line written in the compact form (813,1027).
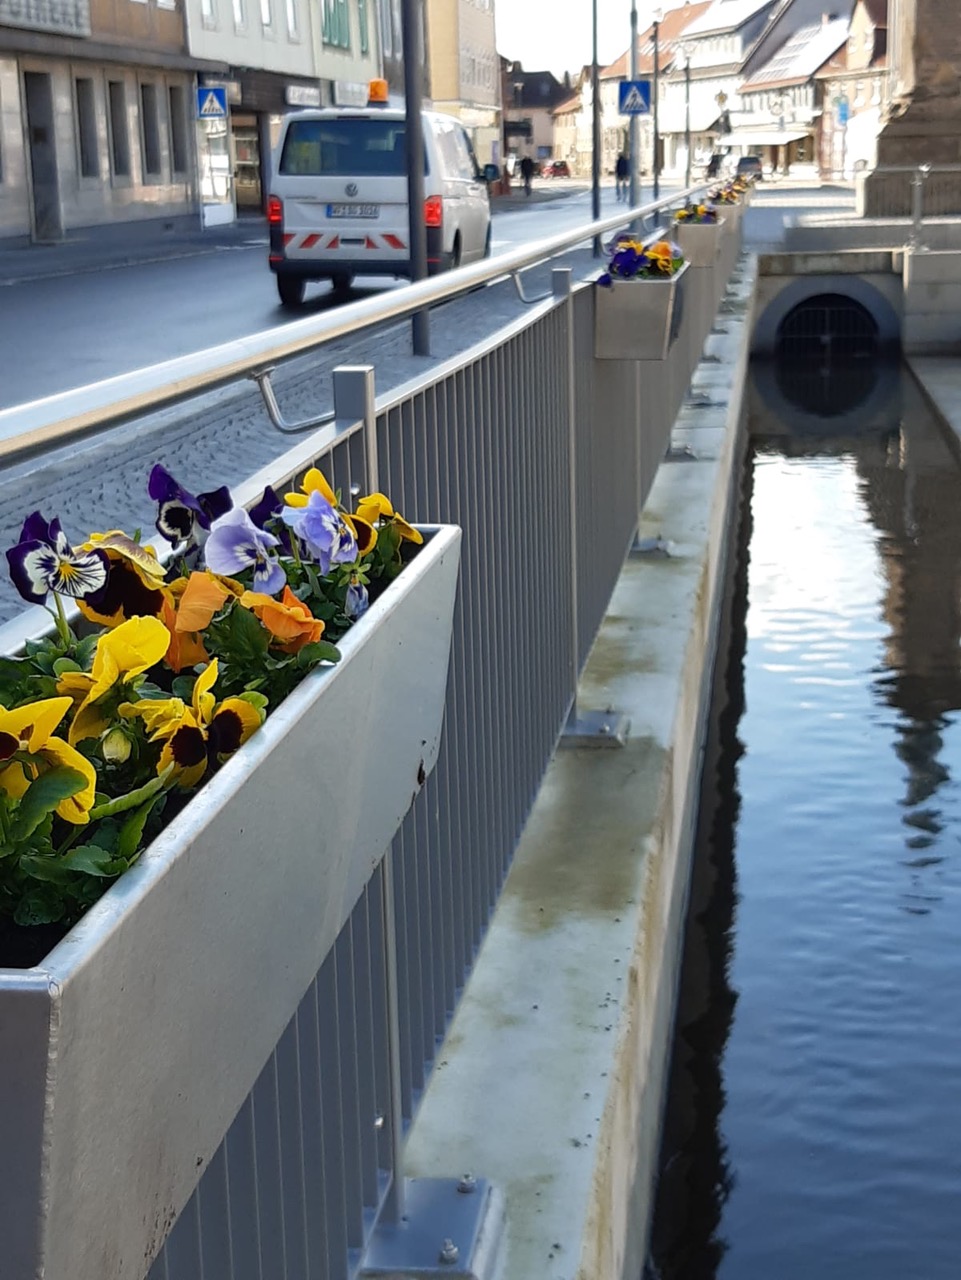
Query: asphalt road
(67,331)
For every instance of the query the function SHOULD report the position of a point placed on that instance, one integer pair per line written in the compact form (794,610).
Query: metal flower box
(638,319)
(700,242)
(126,1054)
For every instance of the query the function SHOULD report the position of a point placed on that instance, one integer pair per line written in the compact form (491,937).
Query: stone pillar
(921,123)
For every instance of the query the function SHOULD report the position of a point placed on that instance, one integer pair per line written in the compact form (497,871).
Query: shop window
(119,137)
(177,107)
(292,19)
(364,26)
(150,126)
(336,24)
(87,129)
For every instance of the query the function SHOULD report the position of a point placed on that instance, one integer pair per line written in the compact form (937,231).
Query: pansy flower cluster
(107,729)
(697,214)
(730,192)
(632,260)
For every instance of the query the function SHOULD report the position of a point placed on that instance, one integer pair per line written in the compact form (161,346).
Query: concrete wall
(932,302)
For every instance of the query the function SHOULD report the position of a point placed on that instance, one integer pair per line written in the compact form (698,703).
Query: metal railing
(544,457)
(917,193)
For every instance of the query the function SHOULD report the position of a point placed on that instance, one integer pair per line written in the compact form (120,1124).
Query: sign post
(213,156)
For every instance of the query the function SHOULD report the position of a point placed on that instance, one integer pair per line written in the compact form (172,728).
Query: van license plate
(353,211)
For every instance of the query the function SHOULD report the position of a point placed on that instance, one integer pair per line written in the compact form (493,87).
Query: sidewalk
(125,244)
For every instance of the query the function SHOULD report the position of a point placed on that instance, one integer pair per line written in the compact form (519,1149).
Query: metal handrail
(53,420)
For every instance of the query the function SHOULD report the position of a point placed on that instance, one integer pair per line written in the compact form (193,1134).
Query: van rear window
(357,148)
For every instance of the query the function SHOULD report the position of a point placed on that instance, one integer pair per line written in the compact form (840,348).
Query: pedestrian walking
(527,173)
(622,173)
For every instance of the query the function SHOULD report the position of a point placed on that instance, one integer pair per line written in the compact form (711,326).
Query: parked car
(338,197)
(749,167)
(556,169)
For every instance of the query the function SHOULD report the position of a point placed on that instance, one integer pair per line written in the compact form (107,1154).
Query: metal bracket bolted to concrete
(608,728)
(450,1228)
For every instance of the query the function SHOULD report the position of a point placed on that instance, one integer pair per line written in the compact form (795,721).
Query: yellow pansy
(313,482)
(29,731)
(128,651)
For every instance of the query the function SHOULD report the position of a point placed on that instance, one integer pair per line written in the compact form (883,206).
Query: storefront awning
(762,137)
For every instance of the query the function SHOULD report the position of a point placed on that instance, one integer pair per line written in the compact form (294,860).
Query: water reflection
(834,1064)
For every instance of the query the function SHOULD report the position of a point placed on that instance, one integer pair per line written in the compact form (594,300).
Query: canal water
(813,1124)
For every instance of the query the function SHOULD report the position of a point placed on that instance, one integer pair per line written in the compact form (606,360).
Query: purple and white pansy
(235,544)
(322,531)
(43,561)
(184,518)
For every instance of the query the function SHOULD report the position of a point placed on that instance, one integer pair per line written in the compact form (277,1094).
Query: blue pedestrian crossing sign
(634,97)
(212,102)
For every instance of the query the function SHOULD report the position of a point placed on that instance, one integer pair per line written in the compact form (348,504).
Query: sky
(558,38)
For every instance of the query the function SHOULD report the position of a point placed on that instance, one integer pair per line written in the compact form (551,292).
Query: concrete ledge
(551,1079)
(940,383)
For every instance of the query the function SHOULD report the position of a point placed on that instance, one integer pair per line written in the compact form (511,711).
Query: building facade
(528,99)
(464,70)
(854,89)
(280,55)
(96,115)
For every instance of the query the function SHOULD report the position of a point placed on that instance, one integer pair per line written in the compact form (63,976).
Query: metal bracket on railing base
(653,546)
(680,453)
(541,297)
(608,728)
(262,379)
(451,1228)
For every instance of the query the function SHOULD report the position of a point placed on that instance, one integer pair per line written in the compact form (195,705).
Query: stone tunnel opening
(826,355)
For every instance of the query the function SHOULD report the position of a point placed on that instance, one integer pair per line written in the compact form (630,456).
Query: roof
(727,15)
(877,11)
(569,104)
(801,55)
(537,88)
(674,23)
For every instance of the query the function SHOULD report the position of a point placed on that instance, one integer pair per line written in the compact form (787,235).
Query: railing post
(590,728)
(916,240)
(354,401)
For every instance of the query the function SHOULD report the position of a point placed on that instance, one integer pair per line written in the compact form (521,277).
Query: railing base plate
(596,729)
(449,1229)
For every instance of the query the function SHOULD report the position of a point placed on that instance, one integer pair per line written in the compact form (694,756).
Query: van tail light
(275,211)
(434,211)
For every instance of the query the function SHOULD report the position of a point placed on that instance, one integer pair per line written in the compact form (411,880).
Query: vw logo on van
(350,189)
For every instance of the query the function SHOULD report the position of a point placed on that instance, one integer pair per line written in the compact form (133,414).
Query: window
(119,138)
(266,16)
(335,25)
(177,104)
(292,19)
(150,125)
(87,129)
(346,148)
(208,13)
(240,15)
(364,26)
(386,30)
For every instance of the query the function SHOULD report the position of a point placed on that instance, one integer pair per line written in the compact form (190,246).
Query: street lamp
(656,19)
(686,50)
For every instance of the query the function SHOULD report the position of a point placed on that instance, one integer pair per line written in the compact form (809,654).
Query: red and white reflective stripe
(321,240)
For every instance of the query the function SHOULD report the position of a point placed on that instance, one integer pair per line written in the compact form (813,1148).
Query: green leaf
(43,796)
(65,664)
(41,905)
(131,832)
(255,699)
(183,687)
(89,859)
(122,804)
(51,870)
(322,651)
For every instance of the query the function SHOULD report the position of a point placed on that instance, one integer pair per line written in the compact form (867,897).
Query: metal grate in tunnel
(827,354)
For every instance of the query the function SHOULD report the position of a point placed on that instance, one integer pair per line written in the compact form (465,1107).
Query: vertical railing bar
(332,1119)
(269,1179)
(316,1191)
(483,495)
(291,1150)
(244,1200)
(347,1045)
(394,1200)
(364,1033)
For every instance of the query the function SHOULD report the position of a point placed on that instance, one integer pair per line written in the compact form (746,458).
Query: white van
(338,201)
